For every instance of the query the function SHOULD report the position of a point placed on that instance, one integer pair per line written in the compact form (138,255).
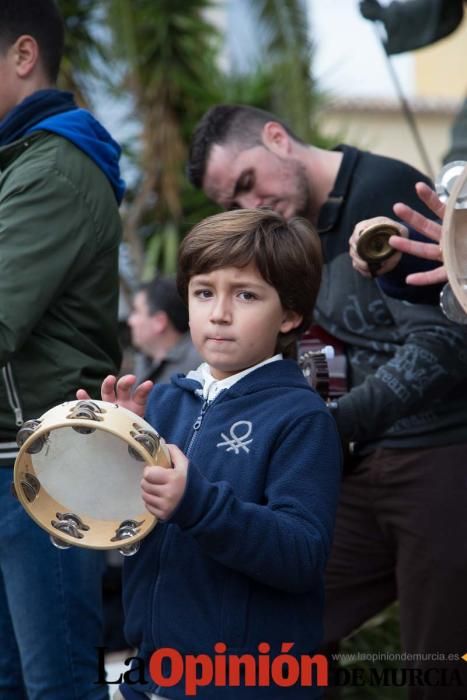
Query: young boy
(235,567)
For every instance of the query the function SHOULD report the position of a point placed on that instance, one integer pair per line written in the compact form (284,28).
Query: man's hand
(121,392)
(429,228)
(387,265)
(162,489)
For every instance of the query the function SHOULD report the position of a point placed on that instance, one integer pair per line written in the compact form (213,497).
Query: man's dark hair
(162,295)
(40,19)
(223,124)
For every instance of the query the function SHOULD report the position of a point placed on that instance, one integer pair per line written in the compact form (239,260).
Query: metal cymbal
(446,180)
(373,244)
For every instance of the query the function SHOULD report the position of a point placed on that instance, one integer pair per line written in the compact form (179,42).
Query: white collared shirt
(212,386)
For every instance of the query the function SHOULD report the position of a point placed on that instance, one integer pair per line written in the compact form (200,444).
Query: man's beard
(302,187)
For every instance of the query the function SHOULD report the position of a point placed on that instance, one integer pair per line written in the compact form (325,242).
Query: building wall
(350,68)
(384,130)
(435,92)
(441,69)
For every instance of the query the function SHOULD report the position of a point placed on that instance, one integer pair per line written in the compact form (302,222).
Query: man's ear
(160,321)
(276,139)
(26,55)
(291,320)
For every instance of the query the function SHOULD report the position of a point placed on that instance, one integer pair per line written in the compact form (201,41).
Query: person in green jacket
(60,229)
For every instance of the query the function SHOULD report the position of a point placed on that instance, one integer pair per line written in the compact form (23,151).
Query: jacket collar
(284,373)
(32,110)
(330,211)
(11,151)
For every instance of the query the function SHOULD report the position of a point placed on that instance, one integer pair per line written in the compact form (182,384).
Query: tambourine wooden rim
(454,241)
(43,508)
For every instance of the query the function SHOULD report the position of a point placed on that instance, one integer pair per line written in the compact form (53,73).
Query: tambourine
(78,474)
(373,244)
(454,246)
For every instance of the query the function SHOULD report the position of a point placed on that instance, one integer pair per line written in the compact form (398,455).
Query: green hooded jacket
(59,235)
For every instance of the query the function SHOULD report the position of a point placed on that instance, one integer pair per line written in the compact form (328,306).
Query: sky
(348,57)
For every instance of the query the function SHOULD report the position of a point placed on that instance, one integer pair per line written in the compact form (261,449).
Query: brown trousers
(401,533)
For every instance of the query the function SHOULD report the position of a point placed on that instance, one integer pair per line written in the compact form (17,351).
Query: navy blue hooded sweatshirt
(241,560)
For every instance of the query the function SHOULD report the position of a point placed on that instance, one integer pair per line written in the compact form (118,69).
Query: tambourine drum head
(454,239)
(92,475)
(458,258)
(78,473)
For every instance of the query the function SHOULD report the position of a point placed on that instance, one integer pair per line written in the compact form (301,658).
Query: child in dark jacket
(235,565)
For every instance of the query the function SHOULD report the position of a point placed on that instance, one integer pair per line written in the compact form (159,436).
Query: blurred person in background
(159,330)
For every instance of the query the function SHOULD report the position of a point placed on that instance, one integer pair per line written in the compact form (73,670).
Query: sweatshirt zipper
(164,544)
(12,394)
(196,426)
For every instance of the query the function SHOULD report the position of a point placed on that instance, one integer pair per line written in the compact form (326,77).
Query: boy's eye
(202,293)
(247,296)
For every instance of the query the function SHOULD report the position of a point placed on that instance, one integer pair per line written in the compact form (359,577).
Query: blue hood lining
(82,129)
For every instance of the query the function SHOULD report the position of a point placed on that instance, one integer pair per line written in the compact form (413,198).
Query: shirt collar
(212,387)
(329,212)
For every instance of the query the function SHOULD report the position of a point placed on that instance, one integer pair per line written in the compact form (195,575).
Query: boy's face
(235,318)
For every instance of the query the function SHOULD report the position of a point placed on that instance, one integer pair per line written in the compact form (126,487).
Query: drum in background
(454,244)
(315,367)
(78,474)
(322,359)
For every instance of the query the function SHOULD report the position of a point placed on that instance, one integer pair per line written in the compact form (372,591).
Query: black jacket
(407,364)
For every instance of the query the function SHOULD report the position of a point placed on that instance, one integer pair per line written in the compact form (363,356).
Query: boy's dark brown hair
(286,253)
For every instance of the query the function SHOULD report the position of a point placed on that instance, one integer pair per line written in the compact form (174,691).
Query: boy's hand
(121,392)
(163,488)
